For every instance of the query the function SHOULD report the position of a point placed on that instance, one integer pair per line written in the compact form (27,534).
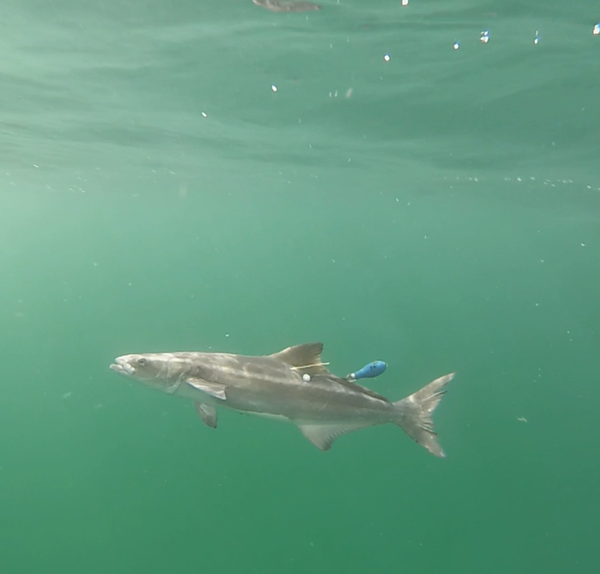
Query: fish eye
(141,361)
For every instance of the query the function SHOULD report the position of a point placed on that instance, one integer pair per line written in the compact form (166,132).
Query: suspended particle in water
(203,114)
(404,2)
(387,58)
(484,37)
(596,30)
(456,45)
(537,38)
(273,87)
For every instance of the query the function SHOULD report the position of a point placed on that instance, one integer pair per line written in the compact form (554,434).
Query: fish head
(151,369)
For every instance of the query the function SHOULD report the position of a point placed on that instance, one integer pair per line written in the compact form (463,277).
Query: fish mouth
(123,367)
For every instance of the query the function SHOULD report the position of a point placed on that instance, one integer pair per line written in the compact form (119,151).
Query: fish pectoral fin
(213,389)
(207,413)
(306,358)
(323,435)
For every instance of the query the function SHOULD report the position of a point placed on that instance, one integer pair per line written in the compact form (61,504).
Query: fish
(292,385)
(287,5)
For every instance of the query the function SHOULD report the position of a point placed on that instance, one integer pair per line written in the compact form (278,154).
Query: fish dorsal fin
(303,358)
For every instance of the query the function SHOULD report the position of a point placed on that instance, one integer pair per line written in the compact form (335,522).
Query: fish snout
(123,366)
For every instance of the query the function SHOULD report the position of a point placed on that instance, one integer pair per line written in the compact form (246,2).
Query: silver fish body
(293,385)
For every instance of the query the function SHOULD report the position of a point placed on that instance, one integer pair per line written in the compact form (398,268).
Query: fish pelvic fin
(414,414)
(207,413)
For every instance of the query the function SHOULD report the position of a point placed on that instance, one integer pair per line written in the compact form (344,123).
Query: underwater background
(416,184)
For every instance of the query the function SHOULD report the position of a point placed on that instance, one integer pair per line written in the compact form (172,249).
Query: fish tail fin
(414,414)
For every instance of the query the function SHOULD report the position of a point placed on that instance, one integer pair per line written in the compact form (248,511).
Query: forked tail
(414,414)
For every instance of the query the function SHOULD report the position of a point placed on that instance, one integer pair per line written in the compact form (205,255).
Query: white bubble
(596,30)
(387,58)
(306,377)
(456,45)
(484,37)
(273,87)
(404,2)
(537,38)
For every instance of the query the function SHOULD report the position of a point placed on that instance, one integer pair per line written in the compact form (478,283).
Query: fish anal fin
(213,389)
(304,358)
(323,435)
(207,413)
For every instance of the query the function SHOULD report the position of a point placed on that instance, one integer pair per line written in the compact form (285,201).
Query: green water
(439,211)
